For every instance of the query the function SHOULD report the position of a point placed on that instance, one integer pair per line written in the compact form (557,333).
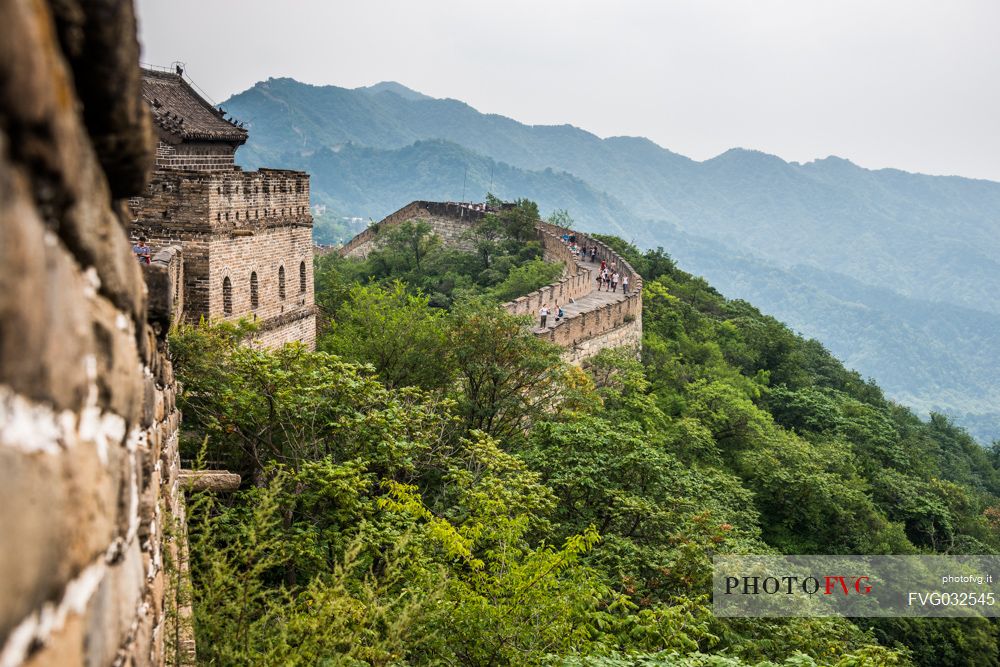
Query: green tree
(257,405)
(518,604)
(525,279)
(399,333)
(508,376)
(407,243)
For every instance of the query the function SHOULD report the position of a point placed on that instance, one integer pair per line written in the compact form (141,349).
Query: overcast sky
(912,84)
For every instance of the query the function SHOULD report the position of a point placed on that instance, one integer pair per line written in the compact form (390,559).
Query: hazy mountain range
(896,273)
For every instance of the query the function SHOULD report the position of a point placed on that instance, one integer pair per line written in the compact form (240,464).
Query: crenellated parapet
(595,319)
(451,222)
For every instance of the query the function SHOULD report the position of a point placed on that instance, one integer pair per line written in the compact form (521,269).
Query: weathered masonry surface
(246,236)
(594,319)
(91,513)
(238,228)
(450,221)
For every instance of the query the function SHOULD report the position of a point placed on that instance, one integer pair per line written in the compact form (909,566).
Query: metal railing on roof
(182,67)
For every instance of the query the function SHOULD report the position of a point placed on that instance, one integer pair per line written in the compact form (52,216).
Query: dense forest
(894,272)
(435,486)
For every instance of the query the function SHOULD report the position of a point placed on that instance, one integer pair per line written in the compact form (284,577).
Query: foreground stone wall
(91,517)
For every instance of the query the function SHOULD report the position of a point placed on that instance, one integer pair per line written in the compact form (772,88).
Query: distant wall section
(617,324)
(612,325)
(452,222)
(576,282)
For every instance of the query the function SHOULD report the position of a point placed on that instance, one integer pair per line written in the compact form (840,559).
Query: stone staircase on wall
(594,320)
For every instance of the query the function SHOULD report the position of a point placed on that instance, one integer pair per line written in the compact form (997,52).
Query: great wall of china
(93,567)
(594,319)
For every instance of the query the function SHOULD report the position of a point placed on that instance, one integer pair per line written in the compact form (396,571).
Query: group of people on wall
(588,251)
(608,279)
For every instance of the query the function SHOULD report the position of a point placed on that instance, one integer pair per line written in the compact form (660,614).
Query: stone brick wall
(577,281)
(282,319)
(626,336)
(232,224)
(617,324)
(165,284)
(585,334)
(91,516)
(243,200)
(173,212)
(451,221)
(280,330)
(204,156)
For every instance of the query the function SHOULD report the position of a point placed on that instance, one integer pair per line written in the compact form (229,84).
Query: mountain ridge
(925,238)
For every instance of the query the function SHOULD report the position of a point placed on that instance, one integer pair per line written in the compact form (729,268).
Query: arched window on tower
(227,296)
(281,282)
(302,277)
(253,290)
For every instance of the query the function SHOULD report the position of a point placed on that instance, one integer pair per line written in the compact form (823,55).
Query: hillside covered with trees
(895,272)
(434,486)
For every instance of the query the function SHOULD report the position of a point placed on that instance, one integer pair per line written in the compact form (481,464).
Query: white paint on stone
(91,282)
(29,426)
(90,372)
(34,427)
(102,429)
(39,626)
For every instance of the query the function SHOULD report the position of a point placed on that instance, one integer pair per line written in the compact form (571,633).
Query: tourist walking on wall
(543,313)
(625,284)
(614,282)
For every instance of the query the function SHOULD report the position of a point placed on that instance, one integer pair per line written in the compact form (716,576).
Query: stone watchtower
(246,237)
